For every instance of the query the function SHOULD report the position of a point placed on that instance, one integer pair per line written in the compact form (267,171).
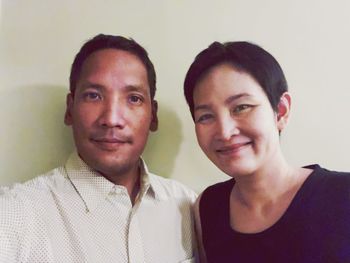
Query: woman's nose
(227,127)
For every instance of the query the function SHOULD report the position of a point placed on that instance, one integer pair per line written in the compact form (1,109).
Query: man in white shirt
(103,205)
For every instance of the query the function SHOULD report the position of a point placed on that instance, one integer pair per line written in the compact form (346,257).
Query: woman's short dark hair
(102,41)
(245,57)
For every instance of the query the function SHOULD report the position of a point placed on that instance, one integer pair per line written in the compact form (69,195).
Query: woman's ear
(283,111)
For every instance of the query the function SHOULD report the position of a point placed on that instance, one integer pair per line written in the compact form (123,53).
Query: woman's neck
(267,184)
(258,201)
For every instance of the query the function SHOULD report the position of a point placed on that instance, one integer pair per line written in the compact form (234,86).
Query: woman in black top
(269,211)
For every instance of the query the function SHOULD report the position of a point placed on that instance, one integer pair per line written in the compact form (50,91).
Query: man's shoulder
(34,187)
(172,188)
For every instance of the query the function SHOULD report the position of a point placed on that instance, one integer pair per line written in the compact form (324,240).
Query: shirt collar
(151,183)
(93,188)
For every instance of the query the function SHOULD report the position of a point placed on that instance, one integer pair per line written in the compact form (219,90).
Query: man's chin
(111,168)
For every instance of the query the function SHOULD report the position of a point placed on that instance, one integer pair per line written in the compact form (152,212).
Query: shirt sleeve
(8,250)
(10,228)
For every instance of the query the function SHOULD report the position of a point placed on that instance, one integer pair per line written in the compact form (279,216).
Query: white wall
(38,40)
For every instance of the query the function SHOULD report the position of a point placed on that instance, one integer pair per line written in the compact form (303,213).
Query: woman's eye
(204,118)
(135,99)
(241,108)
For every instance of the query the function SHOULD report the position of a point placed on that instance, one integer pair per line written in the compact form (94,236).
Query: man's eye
(135,99)
(91,96)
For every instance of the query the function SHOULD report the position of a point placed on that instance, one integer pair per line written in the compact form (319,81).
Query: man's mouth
(110,143)
(110,140)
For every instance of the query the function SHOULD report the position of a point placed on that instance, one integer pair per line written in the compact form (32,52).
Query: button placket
(135,244)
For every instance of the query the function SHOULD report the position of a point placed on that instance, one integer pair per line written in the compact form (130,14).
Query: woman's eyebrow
(202,107)
(236,97)
(227,101)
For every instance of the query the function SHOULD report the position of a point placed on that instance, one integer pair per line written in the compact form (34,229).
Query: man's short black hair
(102,41)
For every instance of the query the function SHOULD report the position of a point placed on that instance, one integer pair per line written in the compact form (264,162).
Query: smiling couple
(104,205)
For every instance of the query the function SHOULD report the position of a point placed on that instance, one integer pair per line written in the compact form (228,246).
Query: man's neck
(130,179)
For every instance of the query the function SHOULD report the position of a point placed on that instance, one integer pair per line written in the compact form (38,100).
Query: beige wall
(38,40)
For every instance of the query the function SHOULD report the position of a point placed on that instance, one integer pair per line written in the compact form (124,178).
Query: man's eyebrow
(133,87)
(137,88)
(128,88)
(93,85)
(227,101)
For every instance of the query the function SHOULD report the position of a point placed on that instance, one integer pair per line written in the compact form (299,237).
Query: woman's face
(235,124)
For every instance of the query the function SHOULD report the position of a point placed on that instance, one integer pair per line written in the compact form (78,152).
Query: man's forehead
(114,62)
(112,55)
(110,67)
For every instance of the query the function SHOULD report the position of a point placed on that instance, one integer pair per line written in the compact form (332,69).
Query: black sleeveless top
(315,227)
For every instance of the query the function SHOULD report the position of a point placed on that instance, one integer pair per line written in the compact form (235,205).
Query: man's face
(111,111)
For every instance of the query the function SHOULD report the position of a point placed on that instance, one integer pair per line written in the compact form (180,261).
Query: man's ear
(68,119)
(283,111)
(154,122)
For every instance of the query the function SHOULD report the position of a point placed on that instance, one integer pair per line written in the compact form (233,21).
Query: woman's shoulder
(216,195)
(219,187)
(328,184)
(328,175)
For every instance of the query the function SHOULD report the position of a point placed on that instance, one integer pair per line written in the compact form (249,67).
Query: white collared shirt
(73,214)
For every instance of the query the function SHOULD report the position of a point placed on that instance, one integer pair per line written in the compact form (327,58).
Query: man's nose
(113,114)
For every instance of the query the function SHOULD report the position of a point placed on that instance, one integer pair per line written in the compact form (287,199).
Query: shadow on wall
(33,137)
(164,144)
